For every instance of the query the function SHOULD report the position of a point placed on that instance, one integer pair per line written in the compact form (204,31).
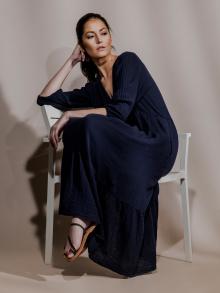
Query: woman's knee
(92,120)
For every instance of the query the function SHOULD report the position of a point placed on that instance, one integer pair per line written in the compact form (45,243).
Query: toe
(68,253)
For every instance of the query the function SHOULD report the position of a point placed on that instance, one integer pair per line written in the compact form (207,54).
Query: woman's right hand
(77,54)
(57,128)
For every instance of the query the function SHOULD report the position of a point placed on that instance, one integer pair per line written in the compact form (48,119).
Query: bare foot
(76,234)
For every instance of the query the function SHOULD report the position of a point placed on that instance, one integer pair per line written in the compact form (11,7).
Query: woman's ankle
(81,221)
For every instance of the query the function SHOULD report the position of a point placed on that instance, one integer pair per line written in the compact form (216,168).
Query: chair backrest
(51,114)
(182,155)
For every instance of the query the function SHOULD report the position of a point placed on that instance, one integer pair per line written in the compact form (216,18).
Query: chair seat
(173,176)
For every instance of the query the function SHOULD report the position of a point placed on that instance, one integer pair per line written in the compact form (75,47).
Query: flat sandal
(83,245)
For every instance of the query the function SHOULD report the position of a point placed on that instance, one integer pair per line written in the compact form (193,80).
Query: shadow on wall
(22,166)
(37,165)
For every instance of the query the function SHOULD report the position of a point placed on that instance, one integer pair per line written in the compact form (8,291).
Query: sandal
(83,245)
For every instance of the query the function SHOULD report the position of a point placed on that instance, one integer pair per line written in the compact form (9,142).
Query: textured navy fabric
(111,164)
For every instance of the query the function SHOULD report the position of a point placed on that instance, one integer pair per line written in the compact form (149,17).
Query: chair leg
(186,219)
(50,206)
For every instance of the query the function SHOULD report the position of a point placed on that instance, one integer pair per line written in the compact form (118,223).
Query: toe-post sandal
(83,245)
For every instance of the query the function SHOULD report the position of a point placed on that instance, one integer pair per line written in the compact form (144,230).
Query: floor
(26,272)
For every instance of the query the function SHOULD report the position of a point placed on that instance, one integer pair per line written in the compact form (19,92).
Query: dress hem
(113,266)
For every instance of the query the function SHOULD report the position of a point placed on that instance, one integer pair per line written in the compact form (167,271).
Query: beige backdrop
(179,43)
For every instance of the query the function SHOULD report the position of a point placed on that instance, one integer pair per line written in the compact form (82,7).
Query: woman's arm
(84,112)
(57,80)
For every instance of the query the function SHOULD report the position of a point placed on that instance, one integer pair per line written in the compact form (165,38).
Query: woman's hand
(57,128)
(78,54)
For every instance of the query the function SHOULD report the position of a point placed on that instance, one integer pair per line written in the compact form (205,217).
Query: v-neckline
(101,85)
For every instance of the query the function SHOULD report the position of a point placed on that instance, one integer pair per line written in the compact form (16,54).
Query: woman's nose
(98,40)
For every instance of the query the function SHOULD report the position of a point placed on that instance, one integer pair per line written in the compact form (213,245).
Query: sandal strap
(78,225)
(72,246)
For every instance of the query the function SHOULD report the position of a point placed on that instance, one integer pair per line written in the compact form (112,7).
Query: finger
(50,139)
(54,144)
(56,137)
(53,141)
(60,132)
(53,136)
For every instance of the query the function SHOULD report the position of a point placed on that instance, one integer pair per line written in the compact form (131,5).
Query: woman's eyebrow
(93,31)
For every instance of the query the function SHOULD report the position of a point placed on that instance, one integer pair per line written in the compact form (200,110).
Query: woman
(115,151)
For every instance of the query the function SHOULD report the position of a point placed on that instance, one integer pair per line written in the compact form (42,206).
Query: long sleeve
(125,86)
(66,100)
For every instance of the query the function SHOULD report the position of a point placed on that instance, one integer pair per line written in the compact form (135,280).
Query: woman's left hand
(57,128)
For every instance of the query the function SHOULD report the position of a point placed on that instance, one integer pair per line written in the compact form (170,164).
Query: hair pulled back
(88,67)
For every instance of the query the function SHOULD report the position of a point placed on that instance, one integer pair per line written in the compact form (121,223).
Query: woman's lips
(100,48)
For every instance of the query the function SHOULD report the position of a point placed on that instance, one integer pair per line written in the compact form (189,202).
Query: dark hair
(88,67)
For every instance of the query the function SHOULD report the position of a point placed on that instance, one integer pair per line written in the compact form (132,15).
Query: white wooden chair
(178,173)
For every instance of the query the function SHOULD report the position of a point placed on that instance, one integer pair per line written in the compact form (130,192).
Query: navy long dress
(111,164)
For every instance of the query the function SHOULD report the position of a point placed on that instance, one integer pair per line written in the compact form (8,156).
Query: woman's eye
(89,37)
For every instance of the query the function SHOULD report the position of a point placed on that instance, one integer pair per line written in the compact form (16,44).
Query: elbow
(39,100)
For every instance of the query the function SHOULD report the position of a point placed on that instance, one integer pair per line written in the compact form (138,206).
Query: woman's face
(96,35)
